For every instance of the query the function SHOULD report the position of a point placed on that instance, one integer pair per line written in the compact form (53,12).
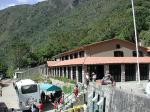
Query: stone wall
(122,101)
(117,100)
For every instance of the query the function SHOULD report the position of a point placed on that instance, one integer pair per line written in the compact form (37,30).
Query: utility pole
(136,42)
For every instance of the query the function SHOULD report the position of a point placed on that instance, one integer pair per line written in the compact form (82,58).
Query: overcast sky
(7,3)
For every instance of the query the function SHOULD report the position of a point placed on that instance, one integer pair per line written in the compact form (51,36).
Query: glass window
(117,46)
(81,53)
(75,55)
(140,53)
(71,56)
(66,57)
(118,54)
(29,89)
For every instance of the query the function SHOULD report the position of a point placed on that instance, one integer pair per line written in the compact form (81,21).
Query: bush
(37,78)
(67,89)
(49,81)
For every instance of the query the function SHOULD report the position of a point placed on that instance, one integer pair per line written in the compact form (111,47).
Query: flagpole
(136,42)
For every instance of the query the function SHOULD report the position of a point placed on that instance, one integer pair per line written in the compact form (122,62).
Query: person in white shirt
(148,88)
(87,79)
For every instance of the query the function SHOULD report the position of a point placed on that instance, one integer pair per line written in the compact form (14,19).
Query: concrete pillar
(59,72)
(136,71)
(106,69)
(57,68)
(78,55)
(84,71)
(55,71)
(149,71)
(71,68)
(122,73)
(77,74)
(63,74)
(67,74)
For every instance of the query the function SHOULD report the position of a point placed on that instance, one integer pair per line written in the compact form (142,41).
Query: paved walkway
(9,96)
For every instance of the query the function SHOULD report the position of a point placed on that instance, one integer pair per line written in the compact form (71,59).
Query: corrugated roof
(100,60)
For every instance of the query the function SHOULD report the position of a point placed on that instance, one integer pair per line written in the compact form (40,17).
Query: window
(118,54)
(148,53)
(117,46)
(71,56)
(66,57)
(63,58)
(81,53)
(140,53)
(75,55)
(29,89)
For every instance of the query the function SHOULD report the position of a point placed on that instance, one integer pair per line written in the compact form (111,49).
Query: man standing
(148,88)
(94,76)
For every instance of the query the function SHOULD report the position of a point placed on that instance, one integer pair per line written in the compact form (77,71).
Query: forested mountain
(31,34)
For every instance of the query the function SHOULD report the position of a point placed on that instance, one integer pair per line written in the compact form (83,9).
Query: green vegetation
(32,34)
(37,78)
(64,79)
(67,89)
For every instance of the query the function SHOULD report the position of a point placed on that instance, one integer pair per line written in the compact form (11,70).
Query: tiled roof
(51,63)
(99,60)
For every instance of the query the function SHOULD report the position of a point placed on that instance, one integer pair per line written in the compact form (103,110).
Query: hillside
(31,34)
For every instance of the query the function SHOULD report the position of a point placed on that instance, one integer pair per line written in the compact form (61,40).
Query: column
(54,72)
(71,68)
(77,74)
(59,71)
(149,71)
(106,69)
(67,72)
(122,73)
(63,74)
(136,73)
(78,55)
(84,71)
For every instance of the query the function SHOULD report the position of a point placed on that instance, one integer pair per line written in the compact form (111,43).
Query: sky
(7,3)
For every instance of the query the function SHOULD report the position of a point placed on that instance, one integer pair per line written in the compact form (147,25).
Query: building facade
(114,56)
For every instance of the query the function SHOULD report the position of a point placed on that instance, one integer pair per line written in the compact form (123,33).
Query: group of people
(107,79)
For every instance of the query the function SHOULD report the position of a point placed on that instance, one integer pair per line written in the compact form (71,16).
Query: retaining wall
(118,100)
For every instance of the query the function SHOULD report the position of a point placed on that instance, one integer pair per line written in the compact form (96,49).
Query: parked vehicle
(28,93)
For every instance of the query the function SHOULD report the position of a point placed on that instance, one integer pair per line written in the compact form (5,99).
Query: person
(52,97)
(43,96)
(87,79)
(76,91)
(55,105)
(108,79)
(35,109)
(148,88)
(40,106)
(93,76)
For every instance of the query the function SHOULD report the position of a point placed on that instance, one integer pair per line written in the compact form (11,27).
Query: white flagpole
(136,42)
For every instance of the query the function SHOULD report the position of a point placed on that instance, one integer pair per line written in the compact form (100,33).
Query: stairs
(70,100)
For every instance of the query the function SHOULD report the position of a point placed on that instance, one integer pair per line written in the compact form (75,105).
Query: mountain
(31,34)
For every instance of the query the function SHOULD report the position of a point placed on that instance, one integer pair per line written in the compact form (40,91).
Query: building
(118,57)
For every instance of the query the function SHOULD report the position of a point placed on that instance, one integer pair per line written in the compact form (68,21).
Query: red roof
(100,60)
(51,63)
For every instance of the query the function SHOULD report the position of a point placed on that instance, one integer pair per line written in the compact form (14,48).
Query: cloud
(7,3)
(23,1)
(41,0)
